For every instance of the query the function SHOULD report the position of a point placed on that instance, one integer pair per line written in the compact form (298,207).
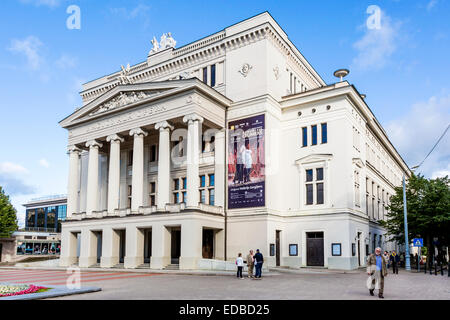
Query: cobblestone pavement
(320,285)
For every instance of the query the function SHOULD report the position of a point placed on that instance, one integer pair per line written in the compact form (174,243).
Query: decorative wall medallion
(276,72)
(123,99)
(245,69)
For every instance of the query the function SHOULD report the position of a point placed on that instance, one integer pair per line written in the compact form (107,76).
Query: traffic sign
(418,242)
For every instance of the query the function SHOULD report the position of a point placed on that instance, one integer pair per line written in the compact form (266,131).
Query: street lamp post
(405,213)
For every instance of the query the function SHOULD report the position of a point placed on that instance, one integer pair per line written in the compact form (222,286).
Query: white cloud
(431,4)
(66,62)
(441,173)
(29,47)
(44,163)
(12,168)
(140,10)
(377,45)
(417,131)
(47,3)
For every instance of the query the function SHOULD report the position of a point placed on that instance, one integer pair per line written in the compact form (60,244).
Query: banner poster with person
(246,174)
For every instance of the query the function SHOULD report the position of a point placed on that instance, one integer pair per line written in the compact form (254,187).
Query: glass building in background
(42,232)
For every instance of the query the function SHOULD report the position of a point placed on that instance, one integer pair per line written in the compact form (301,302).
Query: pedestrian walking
(386,258)
(259,260)
(376,268)
(240,266)
(394,259)
(250,264)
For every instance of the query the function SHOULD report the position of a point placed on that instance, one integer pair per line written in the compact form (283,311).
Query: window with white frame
(179,189)
(367,197)
(314,186)
(152,193)
(206,189)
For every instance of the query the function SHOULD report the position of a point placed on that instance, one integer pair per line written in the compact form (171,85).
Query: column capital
(192,117)
(114,137)
(163,125)
(93,143)
(138,131)
(73,149)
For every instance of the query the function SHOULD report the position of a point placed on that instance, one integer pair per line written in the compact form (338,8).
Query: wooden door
(314,249)
(277,247)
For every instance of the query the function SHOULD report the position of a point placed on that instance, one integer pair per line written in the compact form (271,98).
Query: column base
(159,262)
(108,262)
(86,262)
(132,262)
(67,261)
(189,263)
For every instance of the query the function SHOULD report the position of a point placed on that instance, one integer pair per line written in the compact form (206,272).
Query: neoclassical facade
(230,143)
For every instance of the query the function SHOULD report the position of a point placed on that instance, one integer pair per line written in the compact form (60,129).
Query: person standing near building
(386,258)
(376,268)
(250,264)
(240,265)
(259,260)
(248,162)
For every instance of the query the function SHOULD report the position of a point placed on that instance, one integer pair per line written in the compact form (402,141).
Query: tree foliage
(428,206)
(8,217)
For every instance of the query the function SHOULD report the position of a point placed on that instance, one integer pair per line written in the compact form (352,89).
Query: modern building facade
(230,143)
(42,231)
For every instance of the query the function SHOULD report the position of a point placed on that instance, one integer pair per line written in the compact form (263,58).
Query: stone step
(119,266)
(172,266)
(144,266)
(97,265)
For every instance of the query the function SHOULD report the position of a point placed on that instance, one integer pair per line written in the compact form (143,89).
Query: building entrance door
(314,249)
(175,246)
(122,245)
(147,245)
(277,247)
(208,244)
(359,249)
(99,245)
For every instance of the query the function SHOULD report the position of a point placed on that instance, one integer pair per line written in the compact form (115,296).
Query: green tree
(8,217)
(428,204)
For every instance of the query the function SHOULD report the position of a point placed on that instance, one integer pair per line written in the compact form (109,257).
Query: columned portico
(114,172)
(137,192)
(92,181)
(73,181)
(194,122)
(163,164)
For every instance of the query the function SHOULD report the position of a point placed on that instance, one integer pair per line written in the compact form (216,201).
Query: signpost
(418,242)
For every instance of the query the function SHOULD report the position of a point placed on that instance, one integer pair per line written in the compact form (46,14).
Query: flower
(16,290)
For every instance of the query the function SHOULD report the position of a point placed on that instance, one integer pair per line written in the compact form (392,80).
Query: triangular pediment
(312,158)
(126,96)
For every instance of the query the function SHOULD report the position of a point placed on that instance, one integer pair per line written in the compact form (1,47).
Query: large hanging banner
(246,174)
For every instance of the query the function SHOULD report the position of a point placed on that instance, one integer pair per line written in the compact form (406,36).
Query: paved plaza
(304,284)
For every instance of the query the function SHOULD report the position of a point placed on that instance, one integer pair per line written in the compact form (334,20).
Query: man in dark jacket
(394,259)
(259,260)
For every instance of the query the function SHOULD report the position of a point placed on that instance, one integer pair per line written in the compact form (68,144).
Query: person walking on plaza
(386,258)
(394,259)
(250,264)
(376,268)
(240,265)
(259,260)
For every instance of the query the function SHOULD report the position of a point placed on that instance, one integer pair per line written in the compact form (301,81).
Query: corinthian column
(92,183)
(114,172)
(137,182)
(194,122)
(163,164)
(73,181)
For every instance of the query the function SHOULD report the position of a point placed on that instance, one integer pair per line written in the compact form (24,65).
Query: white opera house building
(229,143)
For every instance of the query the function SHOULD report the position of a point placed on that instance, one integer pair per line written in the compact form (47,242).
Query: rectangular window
(319,193)
(205,75)
(319,174)
(211,180)
(324,133)
(211,197)
(176,197)
(184,196)
(202,196)
(152,187)
(202,181)
(130,158)
(309,194)
(305,136)
(309,175)
(176,184)
(153,153)
(290,88)
(184,183)
(152,200)
(295,84)
(213,75)
(314,135)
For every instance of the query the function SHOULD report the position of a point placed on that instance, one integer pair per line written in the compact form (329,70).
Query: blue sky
(403,67)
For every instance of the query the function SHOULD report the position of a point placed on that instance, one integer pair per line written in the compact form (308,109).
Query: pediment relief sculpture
(123,99)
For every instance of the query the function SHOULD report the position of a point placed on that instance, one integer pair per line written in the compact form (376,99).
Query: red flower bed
(31,289)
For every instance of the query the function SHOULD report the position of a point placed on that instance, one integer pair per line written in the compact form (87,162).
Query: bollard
(442,269)
(425,267)
(435,269)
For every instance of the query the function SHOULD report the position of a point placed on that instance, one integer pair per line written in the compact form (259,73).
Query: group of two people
(244,162)
(253,261)
(393,259)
